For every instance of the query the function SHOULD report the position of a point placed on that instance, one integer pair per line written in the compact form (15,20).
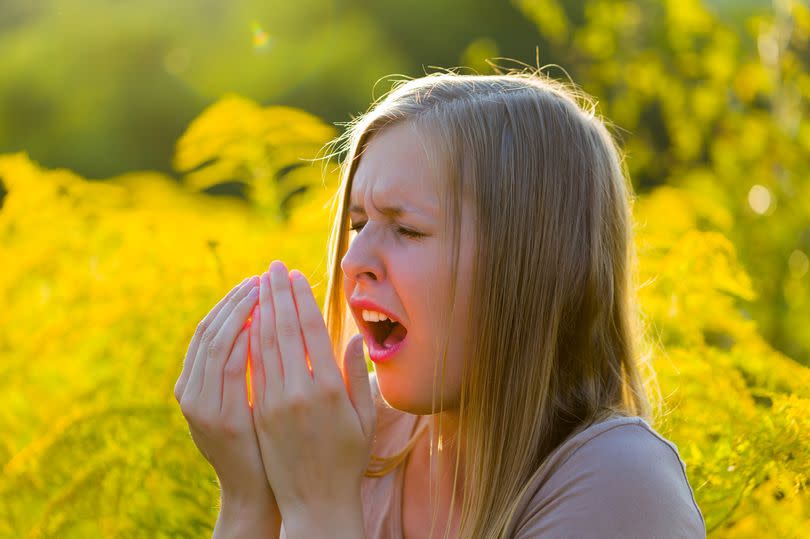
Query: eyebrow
(391,211)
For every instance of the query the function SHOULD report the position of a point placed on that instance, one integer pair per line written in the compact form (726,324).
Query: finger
(316,337)
(191,353)
(255,359)
(271,356)
(197,377)
(356,373)
(234,384)
(232,304)
(288,331)
(222,343)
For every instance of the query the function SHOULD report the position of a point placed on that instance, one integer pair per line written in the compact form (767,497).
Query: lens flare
(261,39)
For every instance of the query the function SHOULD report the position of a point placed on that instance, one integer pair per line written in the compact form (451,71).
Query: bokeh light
(798,264)
(260,39)
(759,198)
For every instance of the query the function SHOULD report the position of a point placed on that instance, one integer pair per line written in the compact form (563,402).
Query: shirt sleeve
(626,483)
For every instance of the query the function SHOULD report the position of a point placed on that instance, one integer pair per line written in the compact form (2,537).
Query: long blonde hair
(557,340)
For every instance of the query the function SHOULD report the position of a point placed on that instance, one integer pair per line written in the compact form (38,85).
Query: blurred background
(153,154)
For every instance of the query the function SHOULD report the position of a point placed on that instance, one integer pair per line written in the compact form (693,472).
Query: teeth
(373,316)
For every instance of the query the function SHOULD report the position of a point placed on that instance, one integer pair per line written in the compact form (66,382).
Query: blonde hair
(557,338)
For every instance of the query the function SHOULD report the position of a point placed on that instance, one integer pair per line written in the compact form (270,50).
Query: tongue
(397,335)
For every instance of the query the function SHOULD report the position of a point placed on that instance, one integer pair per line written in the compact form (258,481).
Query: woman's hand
(212,393)
(314,432)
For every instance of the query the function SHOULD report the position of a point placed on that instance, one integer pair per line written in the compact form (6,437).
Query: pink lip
(377,353)
(359,304)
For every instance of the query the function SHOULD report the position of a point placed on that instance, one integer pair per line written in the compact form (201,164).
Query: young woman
(483,248)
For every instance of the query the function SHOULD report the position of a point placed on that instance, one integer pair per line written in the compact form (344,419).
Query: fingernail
(295,274)
(254,280)
(254,293)
(277,264)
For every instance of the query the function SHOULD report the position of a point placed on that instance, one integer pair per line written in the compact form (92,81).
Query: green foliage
(108,280)
(104,283)
(718,110)
(104,87)
(236,140)
(715,127)
(737,409)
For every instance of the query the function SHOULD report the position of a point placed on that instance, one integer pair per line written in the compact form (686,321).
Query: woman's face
(400,261)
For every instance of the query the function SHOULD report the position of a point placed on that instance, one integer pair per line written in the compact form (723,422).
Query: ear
(355,374)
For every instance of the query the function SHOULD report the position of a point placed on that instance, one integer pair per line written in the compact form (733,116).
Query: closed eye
(401,230)
(409,233)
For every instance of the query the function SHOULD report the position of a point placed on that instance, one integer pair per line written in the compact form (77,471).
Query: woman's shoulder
(616,478)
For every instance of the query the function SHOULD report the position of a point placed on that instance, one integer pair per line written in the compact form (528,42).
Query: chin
(406,396)
(398,394)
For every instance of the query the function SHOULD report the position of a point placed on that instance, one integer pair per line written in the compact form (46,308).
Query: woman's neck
(423,482)
(442,453)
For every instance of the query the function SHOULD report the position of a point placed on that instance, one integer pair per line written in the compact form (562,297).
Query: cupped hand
(314,425)
(212,393)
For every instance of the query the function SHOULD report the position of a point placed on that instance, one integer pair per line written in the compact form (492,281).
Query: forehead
(395,169)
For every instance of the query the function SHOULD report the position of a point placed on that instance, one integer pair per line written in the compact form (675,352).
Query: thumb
(355,374)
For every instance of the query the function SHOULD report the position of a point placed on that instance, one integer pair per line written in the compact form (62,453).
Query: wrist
(247,501)
(249,518)
(338,520)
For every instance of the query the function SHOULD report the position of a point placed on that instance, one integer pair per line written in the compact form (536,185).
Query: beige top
(615,479)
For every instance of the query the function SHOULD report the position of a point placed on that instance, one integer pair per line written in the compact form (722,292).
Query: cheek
(407,384)
(347,288)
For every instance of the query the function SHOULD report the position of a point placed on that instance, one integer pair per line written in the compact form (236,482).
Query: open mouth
(387,333)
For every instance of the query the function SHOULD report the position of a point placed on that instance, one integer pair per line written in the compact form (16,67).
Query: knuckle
(247,300)
(288,328)
(178,391)
(297,403)
(269,414)
(233,370)
(270,339)
(205,418)
(329,393)
(311,323)
(205,423)
(233,301)
(231,429)
(206,338)
(188,409)
(215,347)
(197,416)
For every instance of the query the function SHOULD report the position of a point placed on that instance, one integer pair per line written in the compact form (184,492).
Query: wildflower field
(103,281)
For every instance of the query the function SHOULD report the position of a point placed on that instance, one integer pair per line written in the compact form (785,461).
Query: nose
(362,261)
